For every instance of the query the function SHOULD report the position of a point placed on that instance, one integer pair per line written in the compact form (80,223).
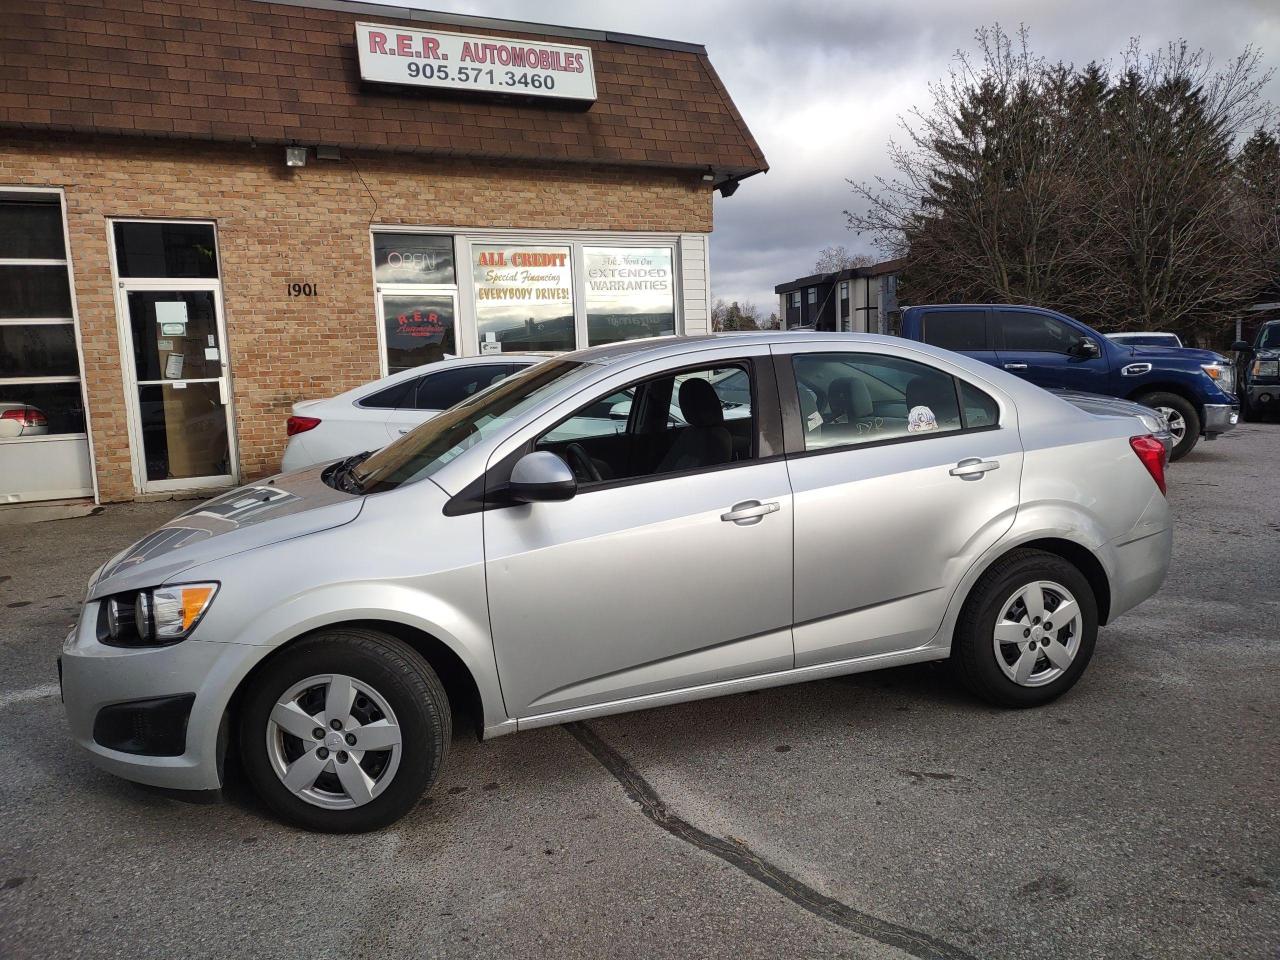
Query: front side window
(858,398)
(630,293)
(524,296)
(1036,333)
(956,329)
(425,449)
(676,422)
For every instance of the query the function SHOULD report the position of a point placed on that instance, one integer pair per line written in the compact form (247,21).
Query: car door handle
(748,512)
(973,468)
(1015,366)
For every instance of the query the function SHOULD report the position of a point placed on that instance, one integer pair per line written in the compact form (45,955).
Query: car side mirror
(1242,346)
(1085,347)
(541,476)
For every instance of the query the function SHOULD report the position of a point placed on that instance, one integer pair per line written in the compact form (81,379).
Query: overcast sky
(822,83)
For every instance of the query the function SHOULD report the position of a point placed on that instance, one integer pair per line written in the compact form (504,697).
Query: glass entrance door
(175,348)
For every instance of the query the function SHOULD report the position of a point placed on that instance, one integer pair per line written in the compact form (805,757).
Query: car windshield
(1270,339)
(423,451)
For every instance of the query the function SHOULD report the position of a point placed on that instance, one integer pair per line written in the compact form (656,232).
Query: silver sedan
(820,505)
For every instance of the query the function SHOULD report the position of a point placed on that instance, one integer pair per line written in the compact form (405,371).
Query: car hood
(279,508)
(1155,354)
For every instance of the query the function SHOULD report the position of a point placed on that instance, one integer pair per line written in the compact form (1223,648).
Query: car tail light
(1152,454)
(27,416)
(301,425)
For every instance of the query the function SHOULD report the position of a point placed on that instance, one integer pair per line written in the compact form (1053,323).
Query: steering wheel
(582,463)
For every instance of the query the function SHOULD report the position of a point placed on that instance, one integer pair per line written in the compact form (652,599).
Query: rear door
(897,491)
(965,330)
(1042,348)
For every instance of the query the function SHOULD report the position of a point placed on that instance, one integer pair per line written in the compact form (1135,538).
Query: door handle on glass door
(1015,366)
(748,512)
(972,468)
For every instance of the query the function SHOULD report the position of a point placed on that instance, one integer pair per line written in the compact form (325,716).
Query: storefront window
(523,297)
(418,329)
(630,293)
(413,258)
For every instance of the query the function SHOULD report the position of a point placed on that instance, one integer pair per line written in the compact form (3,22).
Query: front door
(1046,350)
(175,355)
(670,568)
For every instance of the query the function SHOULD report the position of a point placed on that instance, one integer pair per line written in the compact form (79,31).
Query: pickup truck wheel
(343,731)
(1184,421)
(1026,631)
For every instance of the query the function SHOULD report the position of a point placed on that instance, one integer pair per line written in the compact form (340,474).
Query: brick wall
(278,225)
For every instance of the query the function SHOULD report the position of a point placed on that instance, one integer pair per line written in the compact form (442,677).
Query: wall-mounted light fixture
(295,156)
(709,176)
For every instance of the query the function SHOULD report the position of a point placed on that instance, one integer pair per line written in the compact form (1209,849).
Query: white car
(371,416)
(21,420)
(1152,338)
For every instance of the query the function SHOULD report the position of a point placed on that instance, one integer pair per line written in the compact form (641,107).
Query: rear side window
(956,329)
(440,391)
(978,409)
(847,399)
(389,397)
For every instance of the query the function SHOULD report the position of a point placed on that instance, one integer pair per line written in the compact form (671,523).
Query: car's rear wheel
(1027,630)
(344,730)
(1184,421)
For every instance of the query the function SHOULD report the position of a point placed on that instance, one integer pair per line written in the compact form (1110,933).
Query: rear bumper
(1219,417)
(1139,570)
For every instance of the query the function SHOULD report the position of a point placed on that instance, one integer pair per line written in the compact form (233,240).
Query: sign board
(461,61)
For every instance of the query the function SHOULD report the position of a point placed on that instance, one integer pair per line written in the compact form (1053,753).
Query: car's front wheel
(1184,420)
(344,730)
(1027,630)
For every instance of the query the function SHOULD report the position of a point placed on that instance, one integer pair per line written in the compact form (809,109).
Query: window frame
(73,321)
(792,419)
(996,331)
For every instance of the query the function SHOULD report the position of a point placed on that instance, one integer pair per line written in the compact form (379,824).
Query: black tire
(1186,409)
(973,654)
(399,675)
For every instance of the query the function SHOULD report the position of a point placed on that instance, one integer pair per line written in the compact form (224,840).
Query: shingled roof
(286,72)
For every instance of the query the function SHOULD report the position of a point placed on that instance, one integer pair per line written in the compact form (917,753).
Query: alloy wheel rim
(1037,634)
(334,741)
(1177,423)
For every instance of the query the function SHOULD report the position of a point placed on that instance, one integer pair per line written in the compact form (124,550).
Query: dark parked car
(1259,372)
(1193,389)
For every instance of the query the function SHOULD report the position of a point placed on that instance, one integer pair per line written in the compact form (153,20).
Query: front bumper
(1219,417)
(1263,394)
(95,676)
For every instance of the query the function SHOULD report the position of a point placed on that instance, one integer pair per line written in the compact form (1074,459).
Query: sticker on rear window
(920,420)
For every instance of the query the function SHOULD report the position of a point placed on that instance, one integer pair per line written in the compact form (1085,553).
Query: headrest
(699,403)
(849,396)
(936,393)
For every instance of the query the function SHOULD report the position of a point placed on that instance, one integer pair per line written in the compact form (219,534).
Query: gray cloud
(821,85)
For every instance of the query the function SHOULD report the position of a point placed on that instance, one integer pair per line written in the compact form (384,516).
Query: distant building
(848,300)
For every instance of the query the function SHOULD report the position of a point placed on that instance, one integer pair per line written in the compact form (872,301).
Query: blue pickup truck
(1194,389)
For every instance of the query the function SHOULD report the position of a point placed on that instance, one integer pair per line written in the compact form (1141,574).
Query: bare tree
(729,317)
(839,257)
(1117,199)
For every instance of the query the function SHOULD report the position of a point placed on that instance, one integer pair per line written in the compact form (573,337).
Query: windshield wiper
(343,474)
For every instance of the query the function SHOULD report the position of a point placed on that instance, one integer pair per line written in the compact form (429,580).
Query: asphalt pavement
(881,815)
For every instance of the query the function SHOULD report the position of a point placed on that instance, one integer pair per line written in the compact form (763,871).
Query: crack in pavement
(738,854)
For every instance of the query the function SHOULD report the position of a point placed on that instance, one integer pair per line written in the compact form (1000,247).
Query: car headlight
(1222,374)
(156,617)
(1266,368)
